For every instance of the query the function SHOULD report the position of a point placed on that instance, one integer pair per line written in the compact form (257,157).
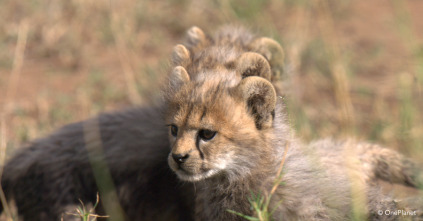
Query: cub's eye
(173,130)
(206,134)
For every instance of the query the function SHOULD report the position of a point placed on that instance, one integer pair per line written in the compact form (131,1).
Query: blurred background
(353,68)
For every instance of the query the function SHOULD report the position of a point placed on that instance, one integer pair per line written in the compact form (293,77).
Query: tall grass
(8,104)
(410,81)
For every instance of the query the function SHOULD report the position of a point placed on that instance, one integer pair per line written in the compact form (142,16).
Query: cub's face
(214,129)
(205,125)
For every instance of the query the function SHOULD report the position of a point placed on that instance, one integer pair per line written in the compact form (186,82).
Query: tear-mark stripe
(197,145)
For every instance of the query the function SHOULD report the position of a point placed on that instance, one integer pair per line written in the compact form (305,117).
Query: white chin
(196,177)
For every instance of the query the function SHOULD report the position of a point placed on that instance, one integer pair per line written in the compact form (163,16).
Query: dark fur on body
(54,172)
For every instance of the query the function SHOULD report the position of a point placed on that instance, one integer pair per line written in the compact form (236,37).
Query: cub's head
(219,123)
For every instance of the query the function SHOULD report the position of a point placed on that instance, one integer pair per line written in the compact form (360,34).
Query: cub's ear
(180,56)
(273,52)
(196,38)
(260,98)
(253,64)
(178,77)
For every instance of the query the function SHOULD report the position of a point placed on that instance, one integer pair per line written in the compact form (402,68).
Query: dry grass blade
(10,93)
(279,173)
(123,55)
(86,215)
(260,203)
(101,170)
(17,63)
(337,67)
(3,156)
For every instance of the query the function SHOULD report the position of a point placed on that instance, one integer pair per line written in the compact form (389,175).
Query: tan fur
(196,39)
(273,52)
(325,180)
(180,56)
(250,63)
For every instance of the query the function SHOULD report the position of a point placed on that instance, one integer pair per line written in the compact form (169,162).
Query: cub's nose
(180,158)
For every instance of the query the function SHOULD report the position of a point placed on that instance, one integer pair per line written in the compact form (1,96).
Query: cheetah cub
(228,134)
